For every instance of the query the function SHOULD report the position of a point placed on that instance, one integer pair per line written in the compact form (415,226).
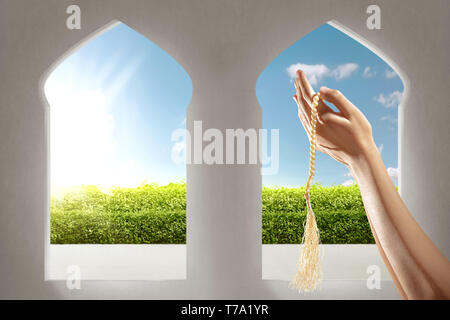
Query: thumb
(337,99)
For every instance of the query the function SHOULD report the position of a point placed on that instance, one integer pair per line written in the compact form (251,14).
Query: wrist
(362,162)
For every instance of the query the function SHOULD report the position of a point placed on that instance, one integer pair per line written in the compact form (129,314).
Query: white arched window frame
(107,261)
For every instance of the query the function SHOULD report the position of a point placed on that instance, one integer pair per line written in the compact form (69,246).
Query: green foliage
(333,198)
(157,214)
(339,227)
(171,197)
(128,227)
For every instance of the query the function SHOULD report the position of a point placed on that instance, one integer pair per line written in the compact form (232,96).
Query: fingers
(337,99)
(333,96)
(303,104)
(308,92)
(302,116)
(329,118)
(301,98)
(305,86)
(326,115)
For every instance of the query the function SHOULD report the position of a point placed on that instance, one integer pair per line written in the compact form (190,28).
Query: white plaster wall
(223,45)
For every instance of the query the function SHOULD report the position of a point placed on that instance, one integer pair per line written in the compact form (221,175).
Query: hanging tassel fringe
(309,272)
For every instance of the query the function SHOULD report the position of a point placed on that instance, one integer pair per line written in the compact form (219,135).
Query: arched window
(329,58)
(114,104)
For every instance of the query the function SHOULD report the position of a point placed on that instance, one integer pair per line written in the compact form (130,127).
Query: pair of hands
(346,135)
(417,267)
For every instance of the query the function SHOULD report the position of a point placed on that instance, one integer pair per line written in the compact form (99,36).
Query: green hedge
(330,198)
(339,227)
(157,214)
(81,226)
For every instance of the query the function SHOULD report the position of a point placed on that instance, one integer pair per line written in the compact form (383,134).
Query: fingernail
(324,89)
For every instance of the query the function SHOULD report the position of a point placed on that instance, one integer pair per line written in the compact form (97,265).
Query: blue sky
(330,58)
(116,101)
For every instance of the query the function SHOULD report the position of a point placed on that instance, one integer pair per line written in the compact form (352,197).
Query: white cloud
(368,73)
(386,118)
(316,72)
(393,173)
(344,71)
(391,100)
(390,119)
(390,74)
(348,182)
(392,122)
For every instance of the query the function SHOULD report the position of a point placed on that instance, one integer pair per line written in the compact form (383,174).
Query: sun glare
(82,146)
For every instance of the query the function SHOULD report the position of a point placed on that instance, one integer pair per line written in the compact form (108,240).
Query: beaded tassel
(309,270)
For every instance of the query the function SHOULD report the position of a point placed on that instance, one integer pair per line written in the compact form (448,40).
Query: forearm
(387,263)
(413,260)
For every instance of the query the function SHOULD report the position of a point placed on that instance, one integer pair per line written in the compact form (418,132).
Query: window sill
(168,262)
(340,261)
(117,262)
